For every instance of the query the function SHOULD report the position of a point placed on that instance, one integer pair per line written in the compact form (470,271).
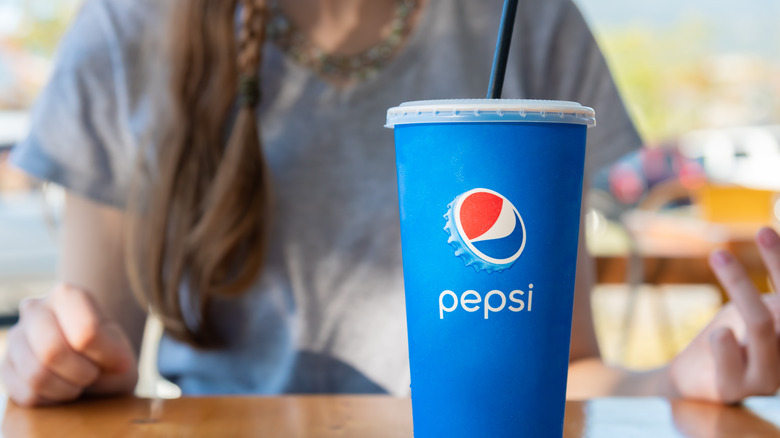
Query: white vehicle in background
(746,156)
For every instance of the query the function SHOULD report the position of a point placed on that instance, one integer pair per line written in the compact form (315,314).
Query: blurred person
(226,161)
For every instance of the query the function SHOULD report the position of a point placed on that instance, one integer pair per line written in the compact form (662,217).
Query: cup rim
(490,110)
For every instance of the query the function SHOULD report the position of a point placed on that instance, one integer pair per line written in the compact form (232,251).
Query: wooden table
(674,250)
(370,417)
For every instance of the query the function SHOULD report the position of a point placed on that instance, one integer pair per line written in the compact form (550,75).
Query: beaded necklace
(349,68)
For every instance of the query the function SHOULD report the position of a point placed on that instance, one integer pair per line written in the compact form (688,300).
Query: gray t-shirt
(327,315)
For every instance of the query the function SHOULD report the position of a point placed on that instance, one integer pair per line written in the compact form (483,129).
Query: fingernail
(720,258)
(768,238)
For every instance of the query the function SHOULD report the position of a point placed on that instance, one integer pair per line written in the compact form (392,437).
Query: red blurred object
(625,183)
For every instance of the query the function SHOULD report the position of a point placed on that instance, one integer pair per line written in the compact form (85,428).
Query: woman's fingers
(40,380)
(43,335)
(19,392)
(62,347)
(769,247)
(87,331)
(763,359)
(730,365)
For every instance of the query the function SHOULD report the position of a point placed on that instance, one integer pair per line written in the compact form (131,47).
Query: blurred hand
(62,347)
(738,354)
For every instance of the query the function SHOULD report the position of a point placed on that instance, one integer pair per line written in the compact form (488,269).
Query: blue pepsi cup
(489,194)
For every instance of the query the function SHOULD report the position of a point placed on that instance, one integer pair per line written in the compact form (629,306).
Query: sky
(739,25)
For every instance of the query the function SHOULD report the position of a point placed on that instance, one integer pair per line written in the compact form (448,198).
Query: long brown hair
(203,227)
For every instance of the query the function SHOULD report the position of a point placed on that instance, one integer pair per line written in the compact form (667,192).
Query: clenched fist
(63,347)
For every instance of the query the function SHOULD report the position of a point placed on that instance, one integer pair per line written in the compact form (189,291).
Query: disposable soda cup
(489,194)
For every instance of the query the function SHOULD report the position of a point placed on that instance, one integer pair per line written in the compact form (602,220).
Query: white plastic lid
(490,110)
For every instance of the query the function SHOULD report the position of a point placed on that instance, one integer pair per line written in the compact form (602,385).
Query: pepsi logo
(490,228)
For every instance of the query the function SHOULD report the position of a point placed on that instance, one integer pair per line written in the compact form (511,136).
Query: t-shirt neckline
(395,63)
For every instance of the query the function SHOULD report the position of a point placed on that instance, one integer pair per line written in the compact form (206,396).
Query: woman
(276,268)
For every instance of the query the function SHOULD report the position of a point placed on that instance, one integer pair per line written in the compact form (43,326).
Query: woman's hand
(63,347)
(738,354)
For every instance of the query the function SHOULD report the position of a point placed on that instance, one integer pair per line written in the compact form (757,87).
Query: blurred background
(29,32)
(701,79)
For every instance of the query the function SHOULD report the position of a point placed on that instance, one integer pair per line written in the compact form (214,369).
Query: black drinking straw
(502,49)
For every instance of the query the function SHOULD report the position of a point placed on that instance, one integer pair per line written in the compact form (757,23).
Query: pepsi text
(494,301)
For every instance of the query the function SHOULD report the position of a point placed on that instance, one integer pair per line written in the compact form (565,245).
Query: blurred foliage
(40,26)
(29,33)
(673,81)
(659,74)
